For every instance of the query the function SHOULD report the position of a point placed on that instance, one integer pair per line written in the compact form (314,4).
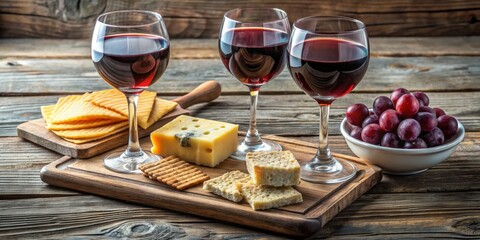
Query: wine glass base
(119,162)
(243,149)
(337,172)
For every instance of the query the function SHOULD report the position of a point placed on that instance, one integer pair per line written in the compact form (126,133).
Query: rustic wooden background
(202,18)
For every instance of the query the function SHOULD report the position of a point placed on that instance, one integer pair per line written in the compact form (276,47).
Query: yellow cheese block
(196,140)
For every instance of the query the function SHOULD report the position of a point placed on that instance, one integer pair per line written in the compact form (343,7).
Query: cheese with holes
(196,140)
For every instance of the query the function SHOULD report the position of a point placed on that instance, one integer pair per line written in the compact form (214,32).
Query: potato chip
(160,108)
(74,108)
(91,132)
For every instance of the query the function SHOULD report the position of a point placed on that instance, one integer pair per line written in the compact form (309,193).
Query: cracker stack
(92,116)
(269,184)
(174,172)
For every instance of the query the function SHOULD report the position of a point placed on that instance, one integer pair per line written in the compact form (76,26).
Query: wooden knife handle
(206,92)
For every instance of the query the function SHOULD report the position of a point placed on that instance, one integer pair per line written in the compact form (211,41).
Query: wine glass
(252,47)
(327,58)
(130,50)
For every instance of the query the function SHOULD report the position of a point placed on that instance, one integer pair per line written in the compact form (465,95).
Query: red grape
(397,93)
(404,120)
(370,119)
(408,130)
(448,125)
(407,106)
(417,143)
(382,103)
(389,120)
(427,109)
(356,114)
(434,137)
(391,140)
(422,98)
(372,134)
(439,112)
(427,121)
(356,133)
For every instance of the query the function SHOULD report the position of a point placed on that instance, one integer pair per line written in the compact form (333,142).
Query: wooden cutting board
(36,130)
(321,201)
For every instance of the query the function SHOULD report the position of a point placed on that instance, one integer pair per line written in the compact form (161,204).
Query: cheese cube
(275,168)
(265,197)
(196,140)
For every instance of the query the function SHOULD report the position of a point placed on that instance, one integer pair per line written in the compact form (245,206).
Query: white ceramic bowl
(402,161)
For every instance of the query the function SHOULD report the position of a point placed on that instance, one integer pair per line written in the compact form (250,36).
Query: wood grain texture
(439,203)
(461,169)
(320,202)
(276,114)
(208,48)
(68,76)
(193,19)
(434,215)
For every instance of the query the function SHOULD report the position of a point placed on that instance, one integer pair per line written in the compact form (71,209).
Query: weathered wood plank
(21,163)
(80,48)
(75,19)
(434,214)
(65,76)
(287,115)
(96,217)
(207,48)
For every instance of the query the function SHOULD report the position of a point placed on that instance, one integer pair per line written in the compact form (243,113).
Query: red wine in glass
(130,50)
(253,47)
(254,55)
(328,68)
(132,62)
(327,57)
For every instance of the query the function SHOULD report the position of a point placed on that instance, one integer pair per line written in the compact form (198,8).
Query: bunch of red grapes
(402,121)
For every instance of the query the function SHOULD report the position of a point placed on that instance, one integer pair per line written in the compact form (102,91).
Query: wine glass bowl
(130,50)
(252,45)
(327,58)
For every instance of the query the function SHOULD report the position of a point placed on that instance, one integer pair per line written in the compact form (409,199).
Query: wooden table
(442,202)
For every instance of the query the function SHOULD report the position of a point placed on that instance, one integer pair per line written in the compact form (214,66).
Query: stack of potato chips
(92,116)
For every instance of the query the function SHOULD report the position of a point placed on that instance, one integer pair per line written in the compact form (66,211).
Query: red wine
(254,55)
(327,68)
(131,62)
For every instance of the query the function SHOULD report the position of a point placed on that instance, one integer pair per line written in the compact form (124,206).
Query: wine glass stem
(323,155)
(133,148)
(253,138)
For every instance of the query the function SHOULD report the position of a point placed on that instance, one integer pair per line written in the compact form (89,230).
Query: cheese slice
(196,140)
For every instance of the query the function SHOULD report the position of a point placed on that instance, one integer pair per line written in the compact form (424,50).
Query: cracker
(174,172)
(225,185)
(74,108)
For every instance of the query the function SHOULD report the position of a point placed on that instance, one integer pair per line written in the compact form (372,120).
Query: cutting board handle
(206,92)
